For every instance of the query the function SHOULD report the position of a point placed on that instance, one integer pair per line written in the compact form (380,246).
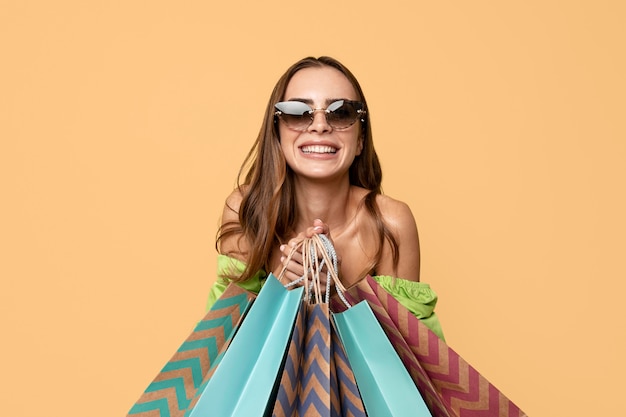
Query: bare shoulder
(231,206)
(396,214)
(231,241)
(399,218)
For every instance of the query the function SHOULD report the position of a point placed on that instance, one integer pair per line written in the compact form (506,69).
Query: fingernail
(282,247)
(318,228)
(282,259)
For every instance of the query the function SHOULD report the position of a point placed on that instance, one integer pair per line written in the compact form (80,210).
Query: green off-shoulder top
(417,297)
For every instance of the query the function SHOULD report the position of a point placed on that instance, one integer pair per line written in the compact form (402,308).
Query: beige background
(123,125)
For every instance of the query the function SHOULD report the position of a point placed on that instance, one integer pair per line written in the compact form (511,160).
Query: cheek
(359,147)
(286,139)
(358,140)
(285,134)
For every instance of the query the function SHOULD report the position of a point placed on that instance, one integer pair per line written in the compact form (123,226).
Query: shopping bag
(450,385)
(317,379)
(244,384)
(346,399)
(171,393)
(305,385)
(385,385)
(287,395)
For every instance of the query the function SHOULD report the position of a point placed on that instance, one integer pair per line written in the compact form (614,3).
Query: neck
(324,201)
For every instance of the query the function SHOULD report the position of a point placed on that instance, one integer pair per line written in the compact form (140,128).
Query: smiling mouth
(318,149)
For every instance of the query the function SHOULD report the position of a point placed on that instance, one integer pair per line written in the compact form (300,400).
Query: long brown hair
(267,214)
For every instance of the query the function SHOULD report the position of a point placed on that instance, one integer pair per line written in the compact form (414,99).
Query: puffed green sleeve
(417,297)
(227,266)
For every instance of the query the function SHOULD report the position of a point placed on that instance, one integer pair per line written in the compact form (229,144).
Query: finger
(290,277)
(320,225)
(316,230)
(296,240)
(292,266)
(286,250)
(291,253)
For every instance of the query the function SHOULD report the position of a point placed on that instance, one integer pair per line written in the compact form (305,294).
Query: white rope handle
(329,258)
(317,252)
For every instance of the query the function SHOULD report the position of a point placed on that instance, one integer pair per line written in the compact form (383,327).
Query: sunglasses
(340,114)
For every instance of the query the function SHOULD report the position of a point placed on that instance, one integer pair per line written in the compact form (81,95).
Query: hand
(293,268)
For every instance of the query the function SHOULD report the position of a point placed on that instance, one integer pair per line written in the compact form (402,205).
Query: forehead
(320,84)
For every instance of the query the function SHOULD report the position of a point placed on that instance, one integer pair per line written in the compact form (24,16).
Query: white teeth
(318,149)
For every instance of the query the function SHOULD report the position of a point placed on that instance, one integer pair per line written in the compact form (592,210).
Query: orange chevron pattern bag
(317,379)
(450,386)
(176,388)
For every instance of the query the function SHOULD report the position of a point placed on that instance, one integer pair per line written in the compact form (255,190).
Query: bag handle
(281,275)
(304,277)
(317,252)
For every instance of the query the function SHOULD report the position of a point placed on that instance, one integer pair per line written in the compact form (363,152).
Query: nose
(319,124)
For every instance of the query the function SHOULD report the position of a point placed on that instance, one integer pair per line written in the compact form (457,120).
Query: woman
(313,169)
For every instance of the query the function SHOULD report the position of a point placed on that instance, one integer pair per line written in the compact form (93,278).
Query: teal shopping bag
(386,387)
(246,380)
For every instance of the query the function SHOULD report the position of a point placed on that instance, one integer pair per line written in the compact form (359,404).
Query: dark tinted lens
(294,114)
(297,115)
(342,114)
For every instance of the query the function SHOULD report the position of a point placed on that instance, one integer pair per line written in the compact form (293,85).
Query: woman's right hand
(292,265)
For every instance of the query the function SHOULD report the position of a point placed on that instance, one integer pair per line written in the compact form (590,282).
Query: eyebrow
(310,102)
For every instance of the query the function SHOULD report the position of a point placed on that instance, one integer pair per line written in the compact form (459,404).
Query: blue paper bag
(386,387)
(246,379)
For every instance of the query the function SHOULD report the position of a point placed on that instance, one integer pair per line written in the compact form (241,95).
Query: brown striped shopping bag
(317,380)
(450,386)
